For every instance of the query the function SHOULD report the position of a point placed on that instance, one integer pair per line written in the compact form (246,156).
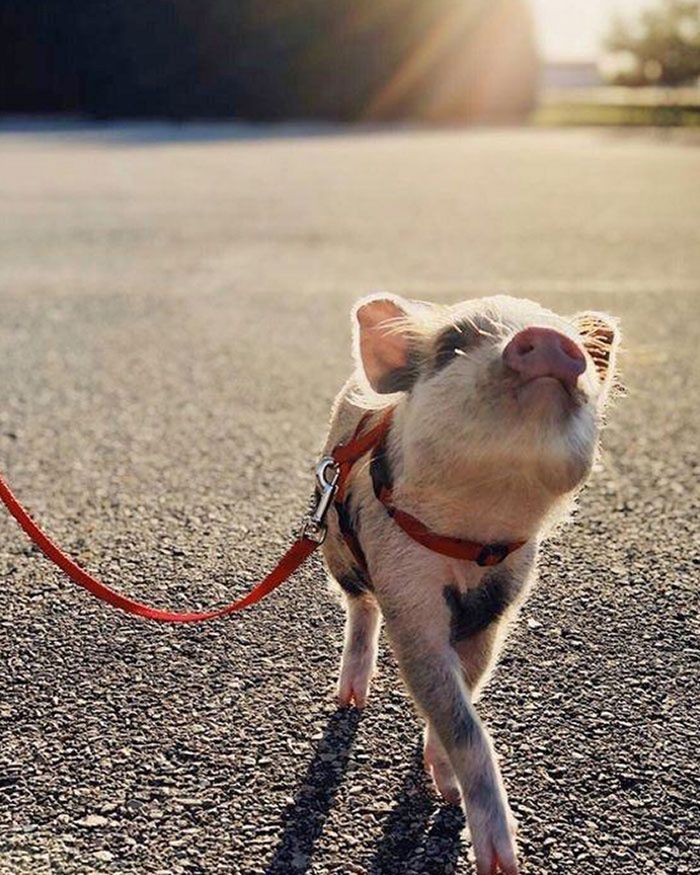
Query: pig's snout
(544,352)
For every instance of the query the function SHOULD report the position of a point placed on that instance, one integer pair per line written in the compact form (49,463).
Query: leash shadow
(306,816)
(410,841)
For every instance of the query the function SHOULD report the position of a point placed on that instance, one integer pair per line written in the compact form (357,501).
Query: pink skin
(534,353)
(439,769)
(348,693)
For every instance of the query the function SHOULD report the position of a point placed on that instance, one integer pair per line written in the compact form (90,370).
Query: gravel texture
(173,329)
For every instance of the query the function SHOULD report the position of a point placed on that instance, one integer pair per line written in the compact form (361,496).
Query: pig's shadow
(305,817)
(408,837)
(420,834)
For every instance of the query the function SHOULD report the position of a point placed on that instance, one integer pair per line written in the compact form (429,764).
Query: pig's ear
(382,343)
(601,336)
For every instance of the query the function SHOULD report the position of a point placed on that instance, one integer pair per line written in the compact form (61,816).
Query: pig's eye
(456,340)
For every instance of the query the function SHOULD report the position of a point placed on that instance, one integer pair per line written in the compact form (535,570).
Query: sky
(572,29)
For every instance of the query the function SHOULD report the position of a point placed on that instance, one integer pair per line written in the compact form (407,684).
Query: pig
(496,407)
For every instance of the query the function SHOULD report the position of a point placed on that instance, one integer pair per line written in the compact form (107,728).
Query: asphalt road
(173,328)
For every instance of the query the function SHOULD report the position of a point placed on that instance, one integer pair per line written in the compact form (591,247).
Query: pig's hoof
(447,786)
(353,684)
(444,780)
(493,842)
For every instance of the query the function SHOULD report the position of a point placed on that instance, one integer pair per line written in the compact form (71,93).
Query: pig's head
(489,392)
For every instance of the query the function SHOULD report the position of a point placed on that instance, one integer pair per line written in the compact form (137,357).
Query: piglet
(496,408)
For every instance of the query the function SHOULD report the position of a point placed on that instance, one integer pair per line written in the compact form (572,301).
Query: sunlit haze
(573,29)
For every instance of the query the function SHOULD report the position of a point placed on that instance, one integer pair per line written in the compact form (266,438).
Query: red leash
(312,536)
(292,559)
(332,473)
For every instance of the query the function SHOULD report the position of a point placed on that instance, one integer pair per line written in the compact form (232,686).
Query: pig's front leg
(476,655)
(362,621)
(433,673)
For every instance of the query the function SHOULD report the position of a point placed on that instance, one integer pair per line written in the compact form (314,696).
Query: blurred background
(579,61)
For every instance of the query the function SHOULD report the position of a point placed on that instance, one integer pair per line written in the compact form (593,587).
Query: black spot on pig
(474,610)
(401,379)
(380,470)
(463,725)
(347,523)
(355,583)
(460,337)
(482,794)
(398,380)
(345,520)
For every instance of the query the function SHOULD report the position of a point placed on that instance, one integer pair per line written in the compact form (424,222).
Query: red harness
(332,474)
(456,548)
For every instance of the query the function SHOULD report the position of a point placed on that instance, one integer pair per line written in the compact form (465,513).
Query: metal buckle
(313,526)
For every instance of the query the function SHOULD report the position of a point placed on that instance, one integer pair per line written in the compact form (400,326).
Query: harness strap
(456,548)
(345,455)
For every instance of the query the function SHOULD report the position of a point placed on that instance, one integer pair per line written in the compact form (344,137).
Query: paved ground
(173,329)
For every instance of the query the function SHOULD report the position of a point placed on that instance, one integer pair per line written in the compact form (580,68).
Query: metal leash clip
(327,476)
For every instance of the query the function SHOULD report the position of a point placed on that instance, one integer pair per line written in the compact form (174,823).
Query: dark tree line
(257,59)
(662,47)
